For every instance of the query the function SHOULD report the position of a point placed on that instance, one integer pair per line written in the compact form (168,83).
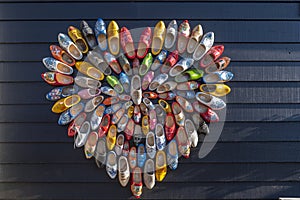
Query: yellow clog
(161,166)
(111,137)
(78,39)
(113,38)
(65,103)
(165,105)
(158,37)
(89,70)
(145,124)
(218,90)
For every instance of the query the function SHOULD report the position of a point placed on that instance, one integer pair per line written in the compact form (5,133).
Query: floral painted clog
(61,92)
(127,43)
(61,55)
(218,77)
(66,43)
(172,155)
(171,34)
(70,114)
(100,32)
(181,66)
(213,54)
(57,66)
(90,145)
(144,43)
(113,63)
(124,80)
(57,79)
(169,62)
(205,44)
(75,125)
(159,60)
(184,32)
(211,101)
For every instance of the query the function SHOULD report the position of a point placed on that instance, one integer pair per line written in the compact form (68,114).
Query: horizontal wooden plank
(238,52)
(226,31)
(144,10)
(235,112)
(241,152)
(242,92)
(229,1)
(193,173)
(260,71)
(232,132)
(163,190)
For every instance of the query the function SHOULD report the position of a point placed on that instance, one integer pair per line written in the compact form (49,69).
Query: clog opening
(142,50)
(130,49)
(80,43)
(67,58)
(192,44)
(74,51)
(64,79)
(156,45)
(199,52)
(182,42)
(169,121)
(172,148)
(169,40)
(114,45)
(95,73)
(102,41)
(111,159)
(206,60)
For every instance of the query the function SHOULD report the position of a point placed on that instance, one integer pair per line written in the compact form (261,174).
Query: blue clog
(100,32)
(141,155)
(70,114)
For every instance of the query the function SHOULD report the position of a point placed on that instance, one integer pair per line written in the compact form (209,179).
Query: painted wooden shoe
(117,116)
(66,43)
(70,114)
(170,126)
(111,137)
(161,166)
(111,101)
(218,90)
(100,32)
(137,114)
(185,104)
(184,32)
(149,174)
(183,142)
(204,46)
(218,65)
(104,126)
(144,43)
(113,63)
(200,124)
(57,66)
(88,34)
(124,63)
(188,94)
(82,135)
(122,123)
(135,66)
(136,90)
(144,109)
(89,70)
(171,34)
(160,114)
(169,62)
(99,62)
(86,82)
(158,37)
(109,91)
(141,156)
(100,152)
(96,117)
(146,64)
(152,119)
(196,35)
(150,95)
(115,83)
(145,124)
(159,60)
(57,79)
(190,85)
(148,104)
(166,87)
(172,155)
(119,144)
(125,151)
(210,101)
(113,38)
(89,93)
(65,103)
(124,80)
(93,103)
(167,96)
(111,165)
(150,145)
(160,137)
(90,145)
(129,129)
(181,66)
(75,125)
(132,157)
(191,132)
(137,134)
(61,92)
(77,37)
(165,106)
(189,75)
(61,55)
(157,81)
(136,185)
(147,80)
(127,43)
(124,173)
(218,77)
(206,113)
(213,54)
(178,114)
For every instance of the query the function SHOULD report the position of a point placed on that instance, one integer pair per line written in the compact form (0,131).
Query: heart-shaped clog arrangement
(137,107)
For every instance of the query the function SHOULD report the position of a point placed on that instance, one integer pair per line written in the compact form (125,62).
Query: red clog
(57,79)
(61,55)
(129,129)
(213,54)
(150,95)
(170,126)
(75,124)
(209,115)
(144,43)
(170,62)
(111,100)
(104,126)
(127,43)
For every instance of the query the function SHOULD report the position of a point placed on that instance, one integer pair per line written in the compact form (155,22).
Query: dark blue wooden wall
(258,154)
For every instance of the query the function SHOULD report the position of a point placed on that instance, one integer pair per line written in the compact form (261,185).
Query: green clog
(147,62)
(115,84)
(189,75)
